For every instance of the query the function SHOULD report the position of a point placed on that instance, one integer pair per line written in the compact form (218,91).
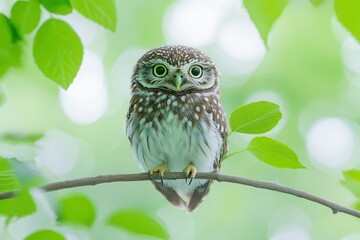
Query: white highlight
(350,51)
(88,31)
(330,142)
(194,23)
(293,232)
(240,45)
(352,236)
(86,99)
(57,153)
(4,6)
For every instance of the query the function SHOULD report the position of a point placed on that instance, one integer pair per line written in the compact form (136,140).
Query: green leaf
(62,7)
(20,205)
(21,138)
(15,174)
(58,52)
(264,14)
(139,223)
(273,153)
(9,50)
(45,235)
(102,12)
(352,181)
(317,2)
(76,209)
(26,15)
(255,118)
(8,179)
(348,13)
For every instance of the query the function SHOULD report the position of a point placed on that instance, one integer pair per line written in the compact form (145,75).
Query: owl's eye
(160,70)
(195,71)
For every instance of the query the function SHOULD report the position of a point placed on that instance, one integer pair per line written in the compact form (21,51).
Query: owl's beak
(177,81)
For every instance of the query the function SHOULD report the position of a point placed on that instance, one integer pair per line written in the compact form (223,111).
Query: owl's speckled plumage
(177,120)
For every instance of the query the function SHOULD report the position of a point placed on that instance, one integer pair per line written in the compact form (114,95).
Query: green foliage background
(304,68)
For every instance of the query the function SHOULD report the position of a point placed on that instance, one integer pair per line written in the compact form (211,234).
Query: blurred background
(310,68)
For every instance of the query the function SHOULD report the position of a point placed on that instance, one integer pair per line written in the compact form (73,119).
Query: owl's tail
(193,199)
(198,196)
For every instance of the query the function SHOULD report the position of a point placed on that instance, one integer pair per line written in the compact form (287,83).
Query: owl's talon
(190,173)
(161,170)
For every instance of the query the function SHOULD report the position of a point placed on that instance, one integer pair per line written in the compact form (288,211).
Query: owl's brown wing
(215,109)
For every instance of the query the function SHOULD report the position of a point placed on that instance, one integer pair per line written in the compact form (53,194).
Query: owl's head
(177,69)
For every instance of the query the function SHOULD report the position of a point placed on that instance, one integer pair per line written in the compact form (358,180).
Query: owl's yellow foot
(190,172)
(161,170)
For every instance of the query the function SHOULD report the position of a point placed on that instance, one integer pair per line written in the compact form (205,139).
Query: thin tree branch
(173,176)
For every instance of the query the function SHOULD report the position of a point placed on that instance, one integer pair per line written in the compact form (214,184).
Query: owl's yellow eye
(159,70)
(196,71)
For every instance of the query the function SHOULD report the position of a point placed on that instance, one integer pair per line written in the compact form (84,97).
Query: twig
(173,176)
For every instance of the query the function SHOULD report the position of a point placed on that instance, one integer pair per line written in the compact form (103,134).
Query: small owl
(175,121)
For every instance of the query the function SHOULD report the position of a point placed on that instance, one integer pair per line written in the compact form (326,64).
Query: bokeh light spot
(56,153)
(352,236)
(240,45)
(293,232)
(350,51)
(193,23)
(86,99)
(330,142)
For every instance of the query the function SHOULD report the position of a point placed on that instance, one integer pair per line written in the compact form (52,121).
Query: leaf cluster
(57,48)
(265,13)
(258,118)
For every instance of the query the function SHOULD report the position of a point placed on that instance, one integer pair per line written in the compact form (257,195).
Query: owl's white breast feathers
(177,142)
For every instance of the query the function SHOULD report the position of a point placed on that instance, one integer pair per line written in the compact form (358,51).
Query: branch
(173,176)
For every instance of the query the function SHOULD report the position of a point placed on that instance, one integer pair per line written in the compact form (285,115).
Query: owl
(175,122)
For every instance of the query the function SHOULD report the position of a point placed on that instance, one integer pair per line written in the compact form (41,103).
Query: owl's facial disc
(178,69)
